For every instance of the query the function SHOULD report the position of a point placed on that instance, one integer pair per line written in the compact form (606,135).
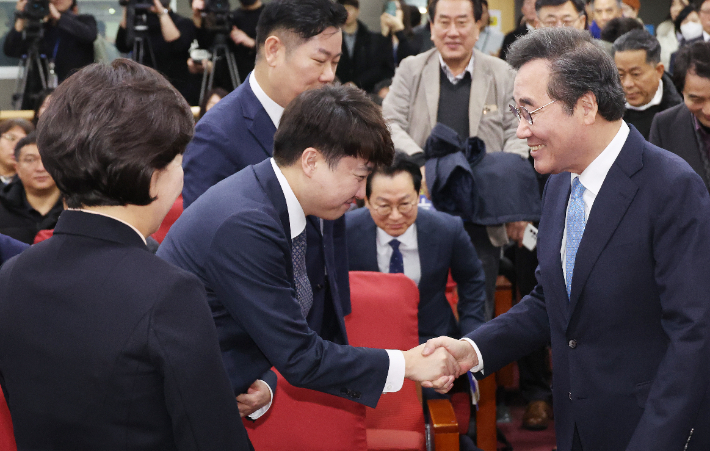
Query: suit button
(572,344)
(570,396)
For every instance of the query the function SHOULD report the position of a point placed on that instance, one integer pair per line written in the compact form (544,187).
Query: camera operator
(67,41)
(241,40)
(169,35)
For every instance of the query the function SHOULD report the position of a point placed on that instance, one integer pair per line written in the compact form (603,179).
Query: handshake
(439,361)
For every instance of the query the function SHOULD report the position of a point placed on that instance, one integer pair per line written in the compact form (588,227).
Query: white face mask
(691,30)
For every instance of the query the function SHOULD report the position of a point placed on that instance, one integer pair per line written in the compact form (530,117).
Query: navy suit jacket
(674,130)
(631,347)
(236,133)
(105,346)
(443,244)
(236,238)
(9,247)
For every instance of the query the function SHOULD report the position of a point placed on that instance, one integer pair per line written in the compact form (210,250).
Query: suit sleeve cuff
(395,374)
(256,415)
(479,367)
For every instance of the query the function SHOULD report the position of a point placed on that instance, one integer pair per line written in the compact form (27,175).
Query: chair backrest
(305,420)
(385,315)
(172,216)
(7,437)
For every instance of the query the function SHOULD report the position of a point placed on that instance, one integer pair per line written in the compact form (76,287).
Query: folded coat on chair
(483,188)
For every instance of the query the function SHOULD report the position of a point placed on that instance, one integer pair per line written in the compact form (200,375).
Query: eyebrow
(329,54)
(460,16)
(525,101)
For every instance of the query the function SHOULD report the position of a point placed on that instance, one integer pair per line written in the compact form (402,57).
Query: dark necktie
(396,261)
(575,229)
(304,292)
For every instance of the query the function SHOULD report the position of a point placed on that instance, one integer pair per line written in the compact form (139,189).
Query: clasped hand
(438,362)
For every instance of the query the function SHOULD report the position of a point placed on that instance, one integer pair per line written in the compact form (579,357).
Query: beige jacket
(411,106)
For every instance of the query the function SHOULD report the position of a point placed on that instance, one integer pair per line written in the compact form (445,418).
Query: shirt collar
(273,109)
(450,75)
(296,216)
(408,239)
(593,176)
(115,219)
(656,100)
(706,36)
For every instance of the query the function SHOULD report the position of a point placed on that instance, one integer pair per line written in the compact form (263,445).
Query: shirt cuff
(395,374)
(478,367)
(256,415)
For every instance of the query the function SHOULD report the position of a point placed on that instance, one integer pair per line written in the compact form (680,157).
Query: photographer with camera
(65,38)
(166,38)
(240,26)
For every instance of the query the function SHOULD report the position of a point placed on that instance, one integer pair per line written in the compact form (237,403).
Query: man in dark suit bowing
(298,48)
(393,235)
(245,239)
(623,249)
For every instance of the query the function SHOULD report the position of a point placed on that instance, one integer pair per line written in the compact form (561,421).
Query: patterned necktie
(575,229)
(304,292)
(396,261)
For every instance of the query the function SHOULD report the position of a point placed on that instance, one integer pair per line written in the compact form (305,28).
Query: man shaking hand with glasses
(623,250)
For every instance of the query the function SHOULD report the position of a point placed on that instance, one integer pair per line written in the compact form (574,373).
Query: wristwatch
(164,11)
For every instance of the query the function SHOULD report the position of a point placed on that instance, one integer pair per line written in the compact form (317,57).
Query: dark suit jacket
(236,133)
(631,348)
(236,238)
(105,346)
(443,244)
(368,65)
(674,130)
(9,247)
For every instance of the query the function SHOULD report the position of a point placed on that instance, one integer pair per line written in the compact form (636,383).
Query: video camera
(143,6)
(35,10)
(216,14)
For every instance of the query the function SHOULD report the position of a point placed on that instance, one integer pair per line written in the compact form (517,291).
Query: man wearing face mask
(67,41)
(241,42)
(169,37)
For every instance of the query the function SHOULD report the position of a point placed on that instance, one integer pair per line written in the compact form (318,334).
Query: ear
(660,68)
(154,182)
(273,48)
(311,159)
(588,107)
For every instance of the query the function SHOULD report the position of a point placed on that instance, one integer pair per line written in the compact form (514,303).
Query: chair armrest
(443,425)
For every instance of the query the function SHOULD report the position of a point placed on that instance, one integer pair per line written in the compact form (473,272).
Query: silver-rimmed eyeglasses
(523,113)
(386,210)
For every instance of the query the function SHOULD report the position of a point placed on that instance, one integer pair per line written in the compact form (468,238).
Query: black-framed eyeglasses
(523,113)
(386,210)
(564,22)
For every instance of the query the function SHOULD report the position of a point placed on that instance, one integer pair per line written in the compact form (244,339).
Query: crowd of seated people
(447,71)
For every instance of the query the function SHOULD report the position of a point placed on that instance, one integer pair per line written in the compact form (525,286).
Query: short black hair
(401,163)
(31,138)
(108,128)
(618,27)
(577,65)
(694,59)
(304,18)
(353,3)
(475,4)
(578,4)
(9,124)
(639,40)
(338,121)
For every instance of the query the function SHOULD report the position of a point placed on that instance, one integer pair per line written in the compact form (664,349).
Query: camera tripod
(32,60)
(219,47)
(140,39)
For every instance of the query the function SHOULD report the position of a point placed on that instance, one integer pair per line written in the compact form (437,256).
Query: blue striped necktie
(575,229)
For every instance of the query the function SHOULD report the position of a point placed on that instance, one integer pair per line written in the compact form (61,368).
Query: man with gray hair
(605,10)
(623,246)
(648,89)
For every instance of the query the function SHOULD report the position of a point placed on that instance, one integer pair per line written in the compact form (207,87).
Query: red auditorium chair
(305,420)
(7,437)
(384,315)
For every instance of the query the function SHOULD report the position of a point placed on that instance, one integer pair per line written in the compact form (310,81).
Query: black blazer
(674,130)
(105,346)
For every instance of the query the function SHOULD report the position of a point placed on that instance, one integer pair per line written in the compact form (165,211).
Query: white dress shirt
(408,247)
(592,179)
(450,75)
(297,220)
(273,109)
(656,100)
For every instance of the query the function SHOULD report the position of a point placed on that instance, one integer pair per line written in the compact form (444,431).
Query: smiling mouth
(536,148)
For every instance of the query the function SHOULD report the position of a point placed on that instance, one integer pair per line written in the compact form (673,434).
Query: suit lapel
(427,247)
(267,178)
(431,76)
(480,84)
(610,206)
(258,121)
(368,245)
